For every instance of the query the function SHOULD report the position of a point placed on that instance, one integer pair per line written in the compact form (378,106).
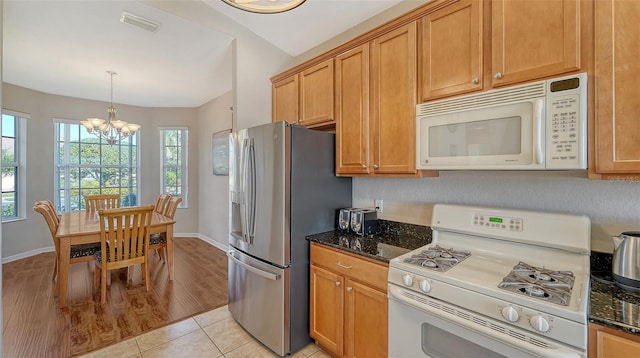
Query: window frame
(66,164)
(184,166)
(20,164)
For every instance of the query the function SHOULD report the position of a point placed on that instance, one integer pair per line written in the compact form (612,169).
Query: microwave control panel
(566,123)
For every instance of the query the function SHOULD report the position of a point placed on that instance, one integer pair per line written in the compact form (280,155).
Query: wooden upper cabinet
(352,111)
(617,74)
(393,101)
(533,39)
(451,50)
(284,98)
(316,94)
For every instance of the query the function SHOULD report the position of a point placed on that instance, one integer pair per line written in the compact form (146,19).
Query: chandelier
(265,6)
(112,130)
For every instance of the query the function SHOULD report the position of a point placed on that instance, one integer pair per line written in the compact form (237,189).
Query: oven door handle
(396,293)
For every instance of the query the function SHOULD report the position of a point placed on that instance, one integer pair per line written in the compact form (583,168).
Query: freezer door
(260,181)
(257,300)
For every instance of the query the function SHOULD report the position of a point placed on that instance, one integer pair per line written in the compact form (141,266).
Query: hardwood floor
(35,326)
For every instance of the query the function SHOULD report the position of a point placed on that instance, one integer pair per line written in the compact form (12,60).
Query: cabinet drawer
(360,269)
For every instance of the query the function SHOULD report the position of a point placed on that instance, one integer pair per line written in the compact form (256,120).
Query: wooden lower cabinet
(326,310)
(606,342)
(366,321)
(348,306)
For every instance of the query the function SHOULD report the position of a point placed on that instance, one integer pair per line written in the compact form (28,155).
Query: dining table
(83,227)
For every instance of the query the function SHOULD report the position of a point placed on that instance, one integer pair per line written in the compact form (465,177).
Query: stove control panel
(498,222)
(526,318)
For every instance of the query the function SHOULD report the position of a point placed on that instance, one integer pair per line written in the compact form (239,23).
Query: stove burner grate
(540,283)
(437,258)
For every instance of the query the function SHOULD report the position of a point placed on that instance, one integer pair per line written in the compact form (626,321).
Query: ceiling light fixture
(265,6)
(112,130)
(139,21)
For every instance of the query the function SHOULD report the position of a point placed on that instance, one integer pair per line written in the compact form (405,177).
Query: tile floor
(211,334)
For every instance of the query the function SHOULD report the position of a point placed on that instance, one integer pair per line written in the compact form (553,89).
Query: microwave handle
(538,144)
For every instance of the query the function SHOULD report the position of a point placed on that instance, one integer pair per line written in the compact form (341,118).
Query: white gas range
(493,283)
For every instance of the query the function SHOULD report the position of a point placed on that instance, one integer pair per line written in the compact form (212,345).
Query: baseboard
(222,246)
(208,240)
(27,254)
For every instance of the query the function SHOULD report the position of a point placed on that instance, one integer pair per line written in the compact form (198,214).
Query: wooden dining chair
(161,203)
(103,201)
(158,241)
(79,253)
(124,242)
(50,205)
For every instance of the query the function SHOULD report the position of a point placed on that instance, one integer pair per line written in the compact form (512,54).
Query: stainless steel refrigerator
(282,188)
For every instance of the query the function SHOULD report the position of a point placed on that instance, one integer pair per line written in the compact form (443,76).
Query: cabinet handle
(475,80)
(364,166)
(337,283)
(498,75)
(343,265)
(349,289)
(375,166)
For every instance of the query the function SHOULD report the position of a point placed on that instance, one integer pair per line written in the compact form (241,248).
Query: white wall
(254,60)
(213,217)
(32,234)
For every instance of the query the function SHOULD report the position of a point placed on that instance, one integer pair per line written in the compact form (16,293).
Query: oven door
(420,326)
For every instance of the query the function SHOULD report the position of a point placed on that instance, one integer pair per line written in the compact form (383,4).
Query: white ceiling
(65,47)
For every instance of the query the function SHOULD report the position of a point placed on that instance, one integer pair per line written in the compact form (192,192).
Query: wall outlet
(378,205)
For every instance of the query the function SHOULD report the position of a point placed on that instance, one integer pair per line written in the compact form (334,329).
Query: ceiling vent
(139,21)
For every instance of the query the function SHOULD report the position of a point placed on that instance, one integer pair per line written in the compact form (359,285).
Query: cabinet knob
(375,166)
(364,166)
(475,80)
(498,75)
(349,289)
(337,283)
(300,120)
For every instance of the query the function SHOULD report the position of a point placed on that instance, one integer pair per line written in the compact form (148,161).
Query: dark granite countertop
(394,239)
(609,304)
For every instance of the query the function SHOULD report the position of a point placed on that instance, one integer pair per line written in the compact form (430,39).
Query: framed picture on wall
(220,150)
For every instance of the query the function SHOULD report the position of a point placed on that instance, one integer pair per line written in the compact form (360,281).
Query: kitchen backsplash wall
(612,206)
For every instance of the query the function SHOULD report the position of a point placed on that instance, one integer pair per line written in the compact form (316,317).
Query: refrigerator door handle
(257,271)
(243,190)
(251,232)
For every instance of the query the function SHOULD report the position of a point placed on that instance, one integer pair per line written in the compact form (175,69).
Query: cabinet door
(367,320)
(284,100)
(617,74)
(393,101)
(534,38)
(352,111)
(316,94)
(607,343)
(326,309)
(451,50)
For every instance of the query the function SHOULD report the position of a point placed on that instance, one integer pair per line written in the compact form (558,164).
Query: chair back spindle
(104,201)
(161,203)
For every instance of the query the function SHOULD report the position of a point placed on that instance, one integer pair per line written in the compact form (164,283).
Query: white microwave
(536,126)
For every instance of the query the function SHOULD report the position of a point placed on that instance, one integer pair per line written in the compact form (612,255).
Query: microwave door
(490,138)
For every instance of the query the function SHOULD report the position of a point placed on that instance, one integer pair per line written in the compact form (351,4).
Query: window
(13,165)
(173,162)
(88,165)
